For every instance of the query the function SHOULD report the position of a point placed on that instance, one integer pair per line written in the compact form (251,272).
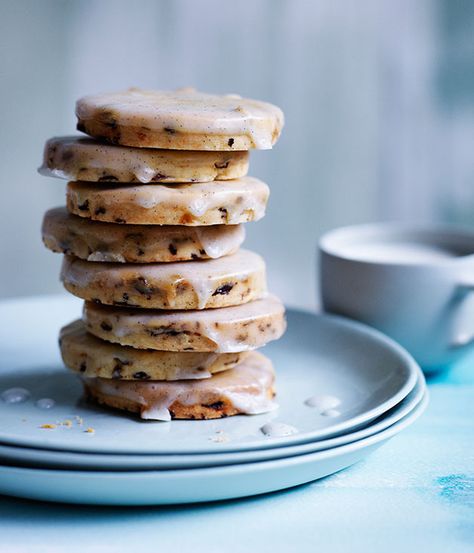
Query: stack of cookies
(174,309)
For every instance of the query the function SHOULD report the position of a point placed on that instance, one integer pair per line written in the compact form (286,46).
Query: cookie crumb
(67,423)
(49,426)
(89,430)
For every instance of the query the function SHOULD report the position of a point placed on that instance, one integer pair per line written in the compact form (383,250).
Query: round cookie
(84,353)
(95,241)
(86,159)
(180,120)
(205,203)
(229,280)
(245,389)
(229,329)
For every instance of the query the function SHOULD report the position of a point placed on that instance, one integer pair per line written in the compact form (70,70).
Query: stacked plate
(344,389)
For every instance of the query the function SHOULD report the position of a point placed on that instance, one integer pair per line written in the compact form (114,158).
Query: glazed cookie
(76,158)
(180,120)
(96,241)
(206,203)
(230,329)
(245,389)
(94,358)
(229,280)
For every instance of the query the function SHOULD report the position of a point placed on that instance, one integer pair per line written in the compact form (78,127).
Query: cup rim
(333,241)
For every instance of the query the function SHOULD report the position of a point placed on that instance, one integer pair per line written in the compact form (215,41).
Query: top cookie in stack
(180,120)
(151,234)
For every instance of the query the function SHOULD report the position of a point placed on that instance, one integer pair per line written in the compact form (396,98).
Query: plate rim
(407,362)
(234,469)
(215,458)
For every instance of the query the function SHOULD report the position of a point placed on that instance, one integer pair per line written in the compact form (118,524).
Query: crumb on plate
(220,438)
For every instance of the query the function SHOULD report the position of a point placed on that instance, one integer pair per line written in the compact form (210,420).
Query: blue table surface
(415,493)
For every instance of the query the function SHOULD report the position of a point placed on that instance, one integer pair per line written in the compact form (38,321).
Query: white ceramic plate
(319,354)
(190,485)
(48,458)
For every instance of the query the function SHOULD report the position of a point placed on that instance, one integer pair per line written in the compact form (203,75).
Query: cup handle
(461,338)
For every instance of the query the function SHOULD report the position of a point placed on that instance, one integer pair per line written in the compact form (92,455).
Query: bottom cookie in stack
(161,385)
(245,389)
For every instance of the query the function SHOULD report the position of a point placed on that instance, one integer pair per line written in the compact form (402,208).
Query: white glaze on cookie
(86,159)
(84,353)
(228,329)
(112,242)
(229,280)
(207,203)
(185,111)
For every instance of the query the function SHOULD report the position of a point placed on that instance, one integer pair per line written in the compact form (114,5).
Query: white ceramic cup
(413,283)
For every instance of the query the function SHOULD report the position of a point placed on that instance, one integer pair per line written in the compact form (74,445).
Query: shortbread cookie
(96,241)
(230,280)
(84,353)
(180,120)
(206,203)
(76,158)
(230,329)
(245,389)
